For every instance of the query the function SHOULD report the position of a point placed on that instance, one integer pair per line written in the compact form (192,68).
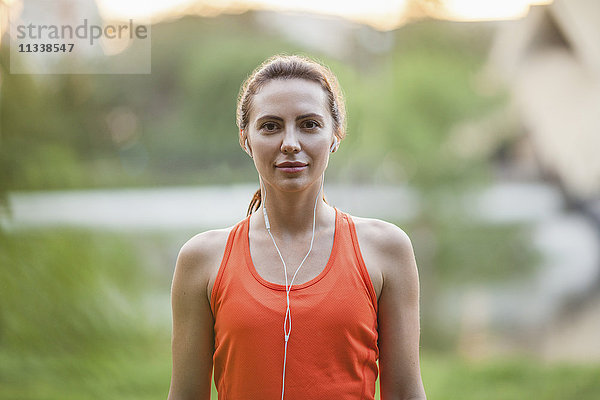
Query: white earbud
(333,145)
(247,148)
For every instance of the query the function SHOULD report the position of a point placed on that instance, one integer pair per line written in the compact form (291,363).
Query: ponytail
(254,203)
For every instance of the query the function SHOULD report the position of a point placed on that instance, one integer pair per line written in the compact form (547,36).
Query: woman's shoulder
(199,258)
(382,235)
(205,244)
(386,248)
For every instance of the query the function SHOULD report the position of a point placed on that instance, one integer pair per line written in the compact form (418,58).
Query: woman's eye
(310,124)
(269,126)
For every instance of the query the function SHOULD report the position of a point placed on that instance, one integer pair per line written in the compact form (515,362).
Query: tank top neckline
(277,286)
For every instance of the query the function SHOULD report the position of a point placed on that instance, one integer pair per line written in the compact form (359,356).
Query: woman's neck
(291,213)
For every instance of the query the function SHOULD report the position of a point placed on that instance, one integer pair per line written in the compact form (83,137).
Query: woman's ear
(245,140)
(334,145)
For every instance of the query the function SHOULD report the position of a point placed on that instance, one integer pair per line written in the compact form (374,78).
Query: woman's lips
(291,167)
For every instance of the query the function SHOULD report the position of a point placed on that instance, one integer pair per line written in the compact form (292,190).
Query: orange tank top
(332,349)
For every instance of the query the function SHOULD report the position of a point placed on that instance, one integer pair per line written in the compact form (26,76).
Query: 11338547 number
(45,48)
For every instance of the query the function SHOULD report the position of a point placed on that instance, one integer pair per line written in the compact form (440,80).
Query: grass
(447,377)
(112,374)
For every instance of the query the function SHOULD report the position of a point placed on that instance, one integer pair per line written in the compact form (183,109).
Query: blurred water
(185,207)
(515,202)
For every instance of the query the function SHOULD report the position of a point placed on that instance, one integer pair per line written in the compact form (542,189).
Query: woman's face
(290,132)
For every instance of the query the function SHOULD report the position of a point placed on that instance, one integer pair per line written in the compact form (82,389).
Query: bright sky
(489,9)
(385,14)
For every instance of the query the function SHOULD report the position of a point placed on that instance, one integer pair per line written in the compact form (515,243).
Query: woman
(299,300)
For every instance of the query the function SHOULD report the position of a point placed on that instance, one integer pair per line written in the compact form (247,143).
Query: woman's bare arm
(193,339)
(389,250)
(399,325)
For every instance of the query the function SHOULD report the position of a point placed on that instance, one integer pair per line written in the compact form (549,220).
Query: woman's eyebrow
(269,117)
(298,118)
(313,115)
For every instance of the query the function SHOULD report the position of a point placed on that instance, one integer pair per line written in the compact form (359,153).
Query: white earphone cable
(287,323)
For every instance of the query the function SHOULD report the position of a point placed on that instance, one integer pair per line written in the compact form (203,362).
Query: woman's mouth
(291,167)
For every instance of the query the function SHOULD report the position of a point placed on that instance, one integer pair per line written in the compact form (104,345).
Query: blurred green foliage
(402,109)
(72,324)
(61,285)
(455,252)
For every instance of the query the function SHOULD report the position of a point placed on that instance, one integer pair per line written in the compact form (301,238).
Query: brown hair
(290,67)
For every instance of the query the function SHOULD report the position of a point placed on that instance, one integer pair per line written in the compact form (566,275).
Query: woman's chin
(294,184)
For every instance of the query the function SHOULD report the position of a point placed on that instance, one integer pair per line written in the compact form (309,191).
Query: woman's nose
(290,142)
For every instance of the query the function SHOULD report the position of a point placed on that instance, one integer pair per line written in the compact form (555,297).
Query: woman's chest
(274,259)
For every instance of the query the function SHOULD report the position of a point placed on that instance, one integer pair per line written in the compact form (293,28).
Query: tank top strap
(354,247)
(235,236)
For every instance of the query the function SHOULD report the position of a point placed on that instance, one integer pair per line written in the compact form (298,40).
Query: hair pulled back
(290,67)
